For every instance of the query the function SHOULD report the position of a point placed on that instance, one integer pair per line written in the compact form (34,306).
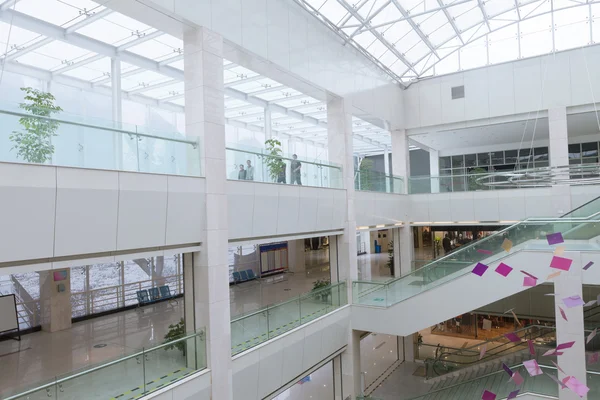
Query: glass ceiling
(152,67)
(412,39)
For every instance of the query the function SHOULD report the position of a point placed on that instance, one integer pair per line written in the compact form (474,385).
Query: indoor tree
(273,160)
(34,142)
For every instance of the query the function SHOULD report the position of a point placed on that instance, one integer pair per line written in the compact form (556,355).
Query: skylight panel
(61,13)
(496,7)
(469,17)
(39,60)
(273,96)
(408,41)
(397,31)
(388,58)
(371,6)
(442,34)
(536,36)
(474,54)
(365,39)
(171,41)
(166,91)
(18,37)
(503,20)
(177,64)
(503,45)
(389,14)
(429,23)
(535,8)
(115,29)
(66,51)
(85,73)
(179,102)
(417,52)
(448,65)
(144,78)
(571,28)
(249,86)
(333,11)
(152,49)
(377,48)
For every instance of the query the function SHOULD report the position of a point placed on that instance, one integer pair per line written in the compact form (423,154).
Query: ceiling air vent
(458,92)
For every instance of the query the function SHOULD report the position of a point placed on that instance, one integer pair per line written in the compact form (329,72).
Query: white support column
(573,360)
(434,170)
(268,127)
(55,300)
(386,168)
(340,149)
(296,256)
(400,156)
(208,269)
(117,110)
(559,156)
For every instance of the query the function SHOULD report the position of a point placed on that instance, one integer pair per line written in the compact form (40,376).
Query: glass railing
(65,139)
(257,327)
(378,182)
(139,373)
(282,169)
(585,174)
(461,261)
(449,360)
(496,382)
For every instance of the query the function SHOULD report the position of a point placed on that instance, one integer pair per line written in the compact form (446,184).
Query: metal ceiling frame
(103,50)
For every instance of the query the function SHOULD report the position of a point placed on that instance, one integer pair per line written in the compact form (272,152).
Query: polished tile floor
(41,357)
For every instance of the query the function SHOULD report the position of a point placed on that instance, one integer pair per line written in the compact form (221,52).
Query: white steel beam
(79,64)
(244,80)
(171,60)
(142,39)
(8,4)
(18,53)
(154,86)
(88,20)
(416,28)
(451,20)
(369,18)
(171,98)
(123,75)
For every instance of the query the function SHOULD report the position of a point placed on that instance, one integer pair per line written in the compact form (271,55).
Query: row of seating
(244,276)
(152,295)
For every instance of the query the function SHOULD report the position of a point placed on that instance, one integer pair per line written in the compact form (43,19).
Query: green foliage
(320,283)
(390,263)
(474,174)
(275,164)
(34,144)
(364,171)
(175,332)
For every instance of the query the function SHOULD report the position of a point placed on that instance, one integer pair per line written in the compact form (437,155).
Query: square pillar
(559,156)
(386,168)
(400,156)
(573,360)
(434,170)
(117,110)
(296,255)
(55,300)
(206,272)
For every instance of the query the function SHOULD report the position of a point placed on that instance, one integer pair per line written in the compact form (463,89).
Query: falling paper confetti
(532,367)
(515,317)
(513,337)
(559,251)
(573,301)
(562,313)
(579,388)
(487,395)
(480,269)
(529,281)
(503,269)
(555,379)
(531,347)
(557,367)
(507,370)
(513,395)
(591,336)
(561,263)
(507,245)
(553,275)
(517,378)
(554,238)
(482,351)
(482,251)
(590,303)
(593,358)
(528,274)
(588,265)
(566,345)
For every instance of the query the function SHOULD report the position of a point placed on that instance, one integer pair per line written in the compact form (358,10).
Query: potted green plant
(274,162)
(390,263)
(34,143)
(473,175)
(320,284)
(364,172)
(176,331)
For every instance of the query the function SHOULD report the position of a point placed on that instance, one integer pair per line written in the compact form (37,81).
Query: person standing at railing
(249,171)
(242,173)
(296,170)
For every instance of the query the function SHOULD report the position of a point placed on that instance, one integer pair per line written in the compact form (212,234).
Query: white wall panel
(412,106)
(289,204)
(143,201)
(418,208)
(439,207)
(266,199)
(364,208)
(308,208)
(265,368)
(325,210)
(193,388)
(278,34)
(226,18)
(186,218)
(241,208)
(583,194)
(452,110)
(485,206)
(557,83)
(511,204)
(254,19)
(476,94)
(461,207)
(86,211)
(339,208)
(501,96)
(27,205)
(528,77)
(430,104)
(538,204)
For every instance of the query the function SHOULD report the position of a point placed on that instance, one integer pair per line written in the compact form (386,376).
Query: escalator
(446,287)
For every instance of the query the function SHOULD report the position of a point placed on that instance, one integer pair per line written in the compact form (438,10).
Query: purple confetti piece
(554,238)
(482,251)
(561,263)
(503,269)
(513,395)
(508,370)
(480,269)
(513,337)
(588,265)
(487,395)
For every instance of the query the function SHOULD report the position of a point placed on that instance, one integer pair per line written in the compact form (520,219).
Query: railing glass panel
(378,182)
(282,168)
(140,372)
(93,143)
(257,327)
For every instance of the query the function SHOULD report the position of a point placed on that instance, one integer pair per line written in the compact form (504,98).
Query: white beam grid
(416,28)
(452,23)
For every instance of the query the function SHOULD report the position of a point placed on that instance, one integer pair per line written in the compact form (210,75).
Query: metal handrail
(339,167)
(298,298)
(106,128)
(102,366)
